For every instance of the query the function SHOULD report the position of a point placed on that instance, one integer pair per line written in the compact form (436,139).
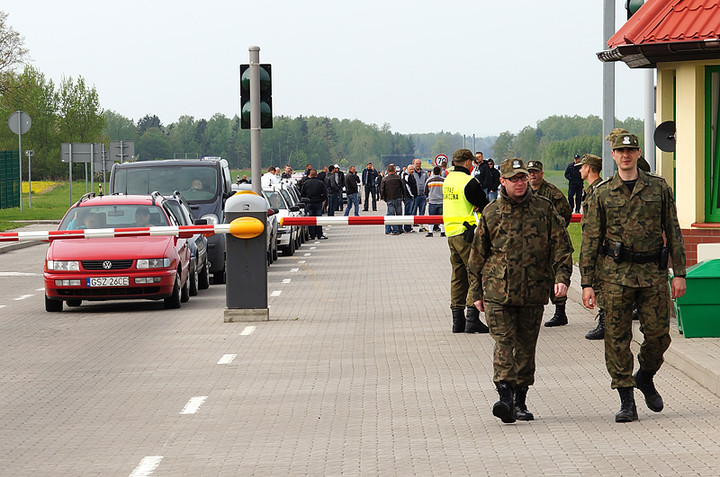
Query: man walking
(392,191)
(521,251)
(369,183)
(631,227)
(575,184)
(433,191)
(462,198)
(420,177)
(545,189)
(351,189)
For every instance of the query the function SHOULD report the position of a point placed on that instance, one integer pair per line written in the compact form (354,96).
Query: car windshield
(197,183)
(275,199)
(113,216)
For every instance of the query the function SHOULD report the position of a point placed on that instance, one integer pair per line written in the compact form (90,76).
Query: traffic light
(266,119)
(633,6)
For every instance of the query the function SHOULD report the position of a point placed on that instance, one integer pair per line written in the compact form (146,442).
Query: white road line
(307,254)
(294,269)
(3,306)
(22,297)
(193,405)
(19,274)
(147,466)
(227,359)
(248,330)
(302,261)
(286,280)
(313,248)
(40,289)
(276,293)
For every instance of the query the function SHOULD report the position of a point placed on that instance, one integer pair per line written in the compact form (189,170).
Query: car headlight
(212,219)
(153,263)
(63,265)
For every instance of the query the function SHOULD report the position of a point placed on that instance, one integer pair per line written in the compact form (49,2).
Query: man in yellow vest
(463,198)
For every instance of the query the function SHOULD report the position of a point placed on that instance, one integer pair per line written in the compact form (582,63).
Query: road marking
(248,330)
(3,306)
(308,254)
(22,297)
(40,289)
(294,269)
(276,293)
(302,261)
(227,359)
(19,274)
(193,405)
(313,248)
(147,466)
(286,280)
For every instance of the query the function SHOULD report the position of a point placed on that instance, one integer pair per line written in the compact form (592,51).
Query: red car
(117,268)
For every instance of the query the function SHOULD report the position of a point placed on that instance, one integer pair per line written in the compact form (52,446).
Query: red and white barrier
(187,231)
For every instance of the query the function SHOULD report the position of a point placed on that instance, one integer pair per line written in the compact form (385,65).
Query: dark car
(199,262)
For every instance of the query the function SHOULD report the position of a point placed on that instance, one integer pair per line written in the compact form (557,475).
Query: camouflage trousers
(515,330)
(460,280)
(653,305)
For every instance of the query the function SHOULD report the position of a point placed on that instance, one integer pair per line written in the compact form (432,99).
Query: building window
(712,144)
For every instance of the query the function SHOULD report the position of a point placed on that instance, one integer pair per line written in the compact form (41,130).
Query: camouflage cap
(512,167)
(615,132)
(463,155)
(591,160)
(625,140)
(534,166)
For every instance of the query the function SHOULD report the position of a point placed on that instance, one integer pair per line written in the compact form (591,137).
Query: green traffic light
(633,6)
(264,80)
(265,114)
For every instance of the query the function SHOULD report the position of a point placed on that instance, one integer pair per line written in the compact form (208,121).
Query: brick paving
(356,373)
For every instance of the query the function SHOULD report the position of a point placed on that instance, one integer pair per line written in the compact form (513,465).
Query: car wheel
(74,302)
(173,301)
(204,277)
(53,306)
(194,275)
(185,291)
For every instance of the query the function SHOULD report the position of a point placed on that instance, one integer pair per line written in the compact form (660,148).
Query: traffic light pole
(255,159)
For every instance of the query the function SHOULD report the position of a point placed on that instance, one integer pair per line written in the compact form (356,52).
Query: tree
(440,147)
(118,127)
(12,51)
(81,118)
(148,122)
(503,147)
(153,145)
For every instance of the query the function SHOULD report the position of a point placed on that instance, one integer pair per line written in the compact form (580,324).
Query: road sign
(19,122)
(84,152)
(122,151)
(440,159)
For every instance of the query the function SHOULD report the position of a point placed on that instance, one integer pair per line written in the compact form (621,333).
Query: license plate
(108,282)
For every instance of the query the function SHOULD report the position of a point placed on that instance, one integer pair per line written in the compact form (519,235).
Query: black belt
(634,257)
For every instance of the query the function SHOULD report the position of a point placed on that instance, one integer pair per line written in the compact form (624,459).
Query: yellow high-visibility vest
(456,209)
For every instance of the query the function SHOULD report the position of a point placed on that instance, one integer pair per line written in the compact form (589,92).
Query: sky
(469,67)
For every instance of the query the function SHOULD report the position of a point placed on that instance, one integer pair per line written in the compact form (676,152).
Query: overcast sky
(472,67)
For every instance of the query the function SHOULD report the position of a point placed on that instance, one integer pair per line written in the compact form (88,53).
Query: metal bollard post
(246,288)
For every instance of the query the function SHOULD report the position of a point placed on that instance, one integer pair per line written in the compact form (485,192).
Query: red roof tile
(670,21)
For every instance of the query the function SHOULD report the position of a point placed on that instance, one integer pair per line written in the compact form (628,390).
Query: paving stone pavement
(356,373)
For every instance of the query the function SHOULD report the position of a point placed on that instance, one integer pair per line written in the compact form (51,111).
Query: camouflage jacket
(519,251)
(557,198)
(638,221)
(587,193)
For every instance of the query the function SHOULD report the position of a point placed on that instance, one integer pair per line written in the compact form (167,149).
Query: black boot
(599,332)
(473,323)
(628,411)
(505,407)
(644,382)
(521,410)
(458,320)
(559,318)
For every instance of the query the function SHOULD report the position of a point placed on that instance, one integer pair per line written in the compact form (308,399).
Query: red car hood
(110,248)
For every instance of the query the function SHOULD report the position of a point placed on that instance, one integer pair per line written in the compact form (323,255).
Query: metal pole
(608,88)
(70,173)
(85,166)
(19,116)
(92,171)
(649,143)
(29,155)
(474,148)
(255,159)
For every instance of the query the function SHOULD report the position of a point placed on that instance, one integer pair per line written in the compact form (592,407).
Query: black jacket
(313,190)
(572,174)
(351,183)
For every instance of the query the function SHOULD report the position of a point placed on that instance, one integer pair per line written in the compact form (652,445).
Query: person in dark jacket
(351,188)
(392,191)
(575,184)
(314,193)
(369,181)
(408,180)
(491,181)
(334,189)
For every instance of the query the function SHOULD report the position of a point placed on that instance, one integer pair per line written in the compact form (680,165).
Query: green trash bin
(698,311)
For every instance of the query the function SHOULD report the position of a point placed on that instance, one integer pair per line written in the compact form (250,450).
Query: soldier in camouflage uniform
(590,168)
(623,249)
(521,251)
(545,189)
(642,163)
